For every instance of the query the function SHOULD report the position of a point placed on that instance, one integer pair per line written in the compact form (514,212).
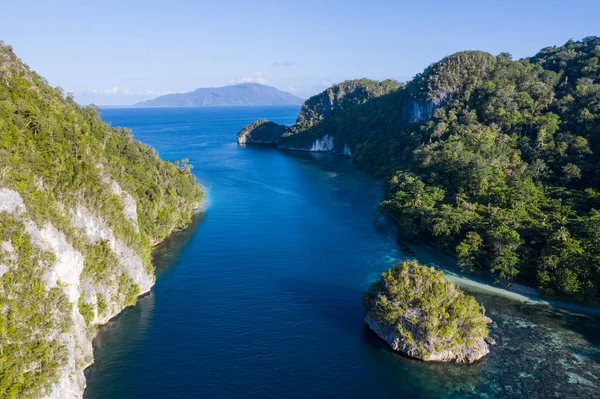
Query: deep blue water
(260,297)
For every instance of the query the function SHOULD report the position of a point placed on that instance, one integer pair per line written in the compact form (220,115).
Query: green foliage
(86,310)
(128,289)
(101,305)
(58,156)
(452,72)
(261,131)
(101,263)
(424,307)
(507,159)
(318,112)
(31,356)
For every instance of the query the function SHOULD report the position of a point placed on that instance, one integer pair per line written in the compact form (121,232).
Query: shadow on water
(138,318)
(322,160)
(340,308)
(332,304)
(168,251)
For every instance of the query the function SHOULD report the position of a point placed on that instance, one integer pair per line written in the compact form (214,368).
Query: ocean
(261,296)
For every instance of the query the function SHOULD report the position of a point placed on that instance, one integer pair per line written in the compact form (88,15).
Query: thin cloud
(125,91)
(256,77)
(113,91)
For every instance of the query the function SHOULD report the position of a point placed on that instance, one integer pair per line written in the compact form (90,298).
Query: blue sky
(121,52)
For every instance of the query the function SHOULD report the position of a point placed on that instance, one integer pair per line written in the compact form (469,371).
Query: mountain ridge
(242,94)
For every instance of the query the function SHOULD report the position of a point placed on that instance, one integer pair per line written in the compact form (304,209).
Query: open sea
(261,296)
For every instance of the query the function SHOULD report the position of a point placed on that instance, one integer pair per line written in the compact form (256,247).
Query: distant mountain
(246,94)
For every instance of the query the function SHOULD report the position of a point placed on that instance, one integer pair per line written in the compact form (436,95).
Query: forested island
(420,314)
(243,94)
(81,206)
(491,159)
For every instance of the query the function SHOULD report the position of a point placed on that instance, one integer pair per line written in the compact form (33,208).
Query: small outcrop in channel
(422,315)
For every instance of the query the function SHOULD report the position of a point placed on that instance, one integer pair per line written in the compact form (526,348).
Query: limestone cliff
(364,114)
(81,204)
(420,314)
(326,143)
(315,129)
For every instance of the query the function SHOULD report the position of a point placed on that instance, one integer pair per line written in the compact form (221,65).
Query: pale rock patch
(69,261)
(11,201)
(130,262)
(67,270)
(347,151)
(323,144)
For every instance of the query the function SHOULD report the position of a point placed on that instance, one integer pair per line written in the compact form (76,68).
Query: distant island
(246,94)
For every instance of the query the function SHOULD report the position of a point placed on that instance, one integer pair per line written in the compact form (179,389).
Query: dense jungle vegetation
(504,169)
(58,155)
(427,311)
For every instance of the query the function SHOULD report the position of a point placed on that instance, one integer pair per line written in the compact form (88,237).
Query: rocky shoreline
(389,334)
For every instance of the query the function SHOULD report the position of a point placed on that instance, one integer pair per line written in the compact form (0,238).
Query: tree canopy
(503,172)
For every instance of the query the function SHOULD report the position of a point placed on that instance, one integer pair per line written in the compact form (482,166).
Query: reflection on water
(166,254)
(133,322)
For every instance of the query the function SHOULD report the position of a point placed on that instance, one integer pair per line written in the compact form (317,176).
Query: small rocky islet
(422,315)
(261,132)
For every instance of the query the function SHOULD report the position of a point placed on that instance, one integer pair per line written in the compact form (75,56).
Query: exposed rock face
(11,201)
(66,274)
(324,144)
(73,251)
(390,335)
(421,315)
(71,383)
(419,111)
(261,132)
(347,151)
(130,206)
(130,262)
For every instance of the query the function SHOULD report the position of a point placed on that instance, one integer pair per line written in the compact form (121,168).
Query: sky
(122,52)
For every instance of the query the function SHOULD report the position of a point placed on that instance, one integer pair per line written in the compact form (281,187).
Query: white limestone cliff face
(399,344)
(323,144)
(11,201)
(326,143)
(347,151)
(419,111)
(130,262)
(129,203)
(66,274)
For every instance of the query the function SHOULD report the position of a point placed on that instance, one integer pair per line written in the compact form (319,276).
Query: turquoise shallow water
(260,298)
